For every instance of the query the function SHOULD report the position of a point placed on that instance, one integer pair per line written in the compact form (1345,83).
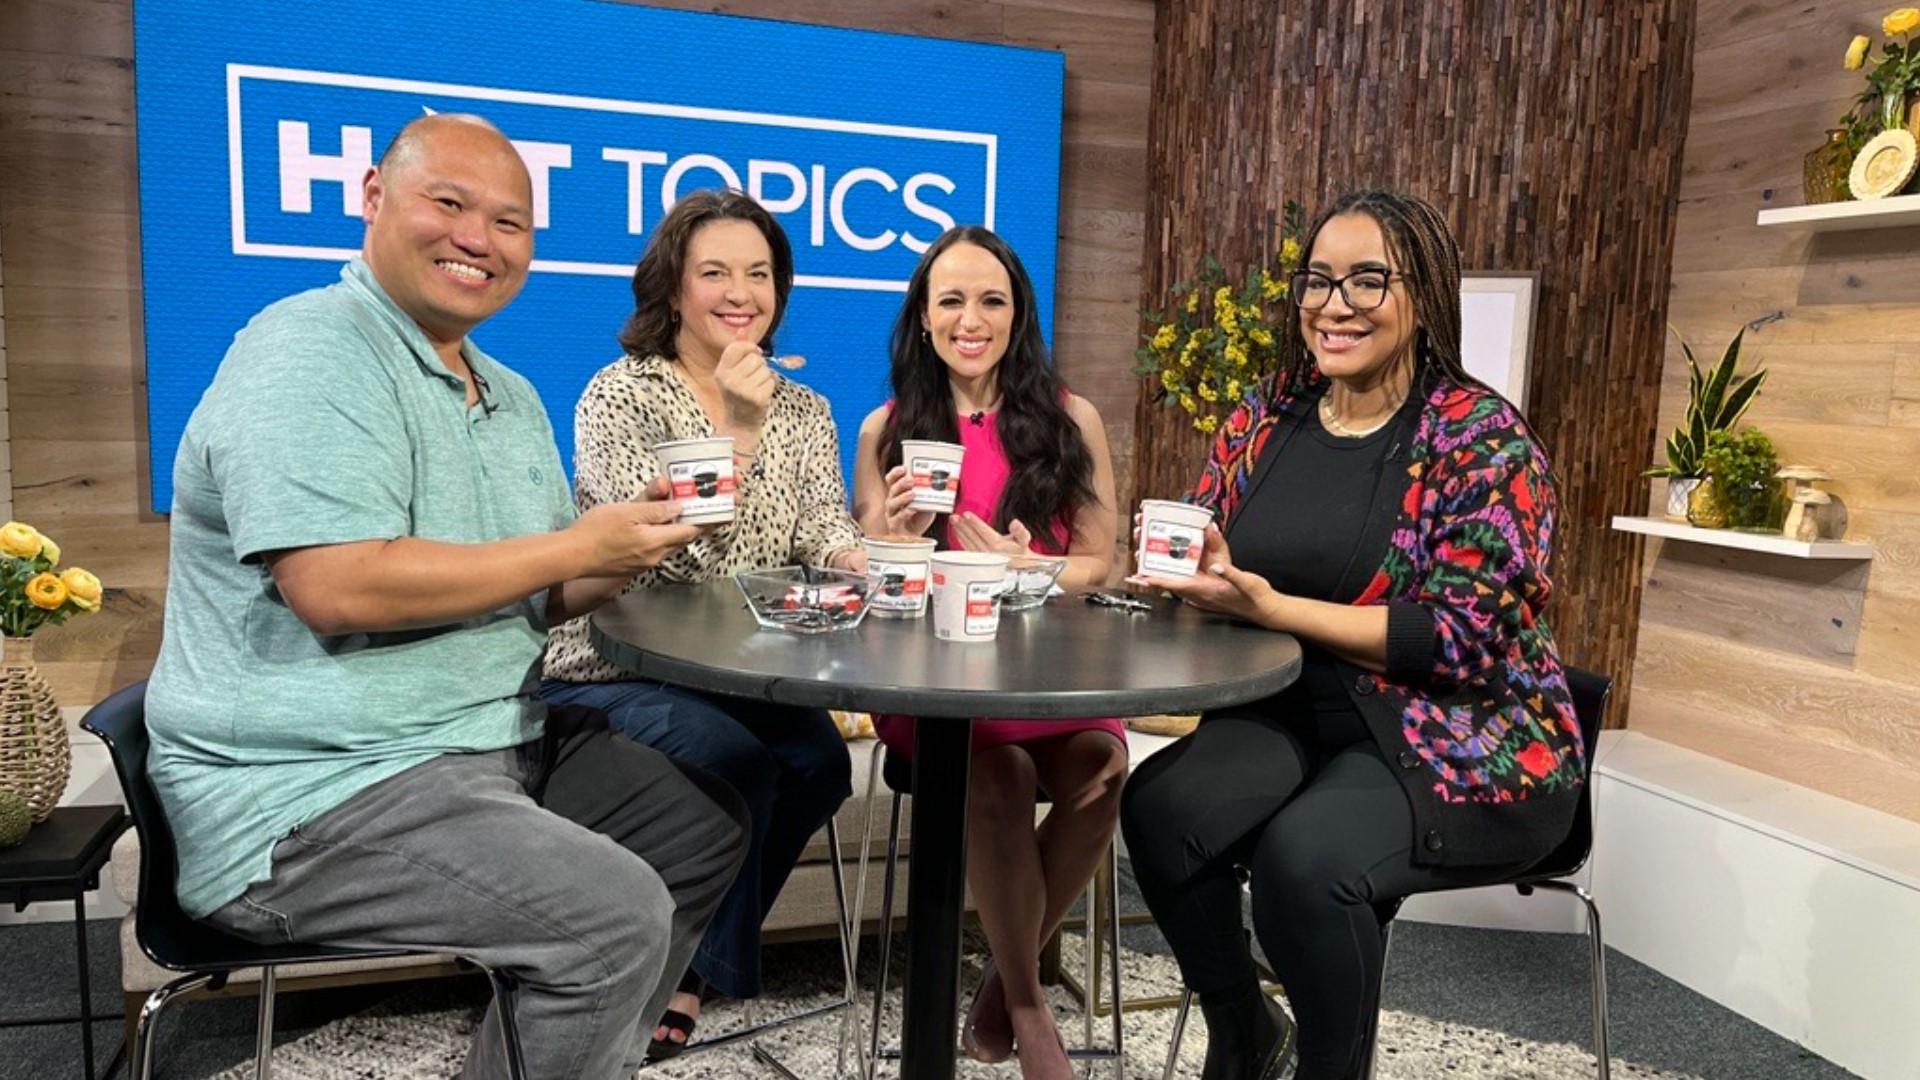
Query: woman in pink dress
(969,366)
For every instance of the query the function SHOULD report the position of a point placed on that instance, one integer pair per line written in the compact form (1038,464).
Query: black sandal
(662,1049)
(677,1022)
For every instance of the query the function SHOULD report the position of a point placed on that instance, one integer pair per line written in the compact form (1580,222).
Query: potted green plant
(1716,400)
(1742,488)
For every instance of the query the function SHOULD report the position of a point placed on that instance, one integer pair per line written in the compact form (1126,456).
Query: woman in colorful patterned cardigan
(1395,515)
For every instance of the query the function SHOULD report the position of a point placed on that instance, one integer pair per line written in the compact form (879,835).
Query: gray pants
(523,860)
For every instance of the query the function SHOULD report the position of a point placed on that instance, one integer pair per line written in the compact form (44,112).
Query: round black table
(1067,658)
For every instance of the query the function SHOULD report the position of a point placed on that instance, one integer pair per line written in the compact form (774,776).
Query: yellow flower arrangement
(1217,338)
(1891,79)
(32,595)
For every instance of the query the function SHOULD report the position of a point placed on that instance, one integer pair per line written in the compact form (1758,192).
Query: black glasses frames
(1363,290)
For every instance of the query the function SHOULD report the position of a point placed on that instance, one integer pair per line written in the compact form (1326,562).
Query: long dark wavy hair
(1050,471)
(1423,249)
(650,330)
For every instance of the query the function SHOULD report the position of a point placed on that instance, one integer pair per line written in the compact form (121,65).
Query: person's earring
(926,335)
(673,317)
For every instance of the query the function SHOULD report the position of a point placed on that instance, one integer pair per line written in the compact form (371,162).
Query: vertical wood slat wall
(1550,135)
(1805,671)
(69,225)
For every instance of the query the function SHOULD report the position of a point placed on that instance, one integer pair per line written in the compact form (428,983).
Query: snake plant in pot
(1716,399)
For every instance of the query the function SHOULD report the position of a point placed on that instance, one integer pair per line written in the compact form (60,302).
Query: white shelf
(1897,212)
(1768,542)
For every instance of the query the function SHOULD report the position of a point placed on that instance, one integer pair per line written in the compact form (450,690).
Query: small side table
(60,860)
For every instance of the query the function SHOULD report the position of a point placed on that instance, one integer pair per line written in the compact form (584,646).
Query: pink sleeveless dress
(983,473)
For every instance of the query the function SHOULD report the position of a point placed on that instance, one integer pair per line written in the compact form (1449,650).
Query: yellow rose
(1163,337)
(20,540)
(45,591)
(1900,21)
(1857,52)
(49,550)
(82,588)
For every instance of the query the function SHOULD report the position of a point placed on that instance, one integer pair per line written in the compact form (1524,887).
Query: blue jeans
(789,765)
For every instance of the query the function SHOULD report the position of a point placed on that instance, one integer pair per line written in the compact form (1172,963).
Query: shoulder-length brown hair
(650,330)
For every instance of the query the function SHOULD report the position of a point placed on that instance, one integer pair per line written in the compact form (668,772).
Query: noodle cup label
(701,474)
(899,568)
(1171,534)
(935,469)
(966,594)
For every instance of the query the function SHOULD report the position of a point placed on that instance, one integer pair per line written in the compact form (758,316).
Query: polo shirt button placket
(1433,841)
(1409,760)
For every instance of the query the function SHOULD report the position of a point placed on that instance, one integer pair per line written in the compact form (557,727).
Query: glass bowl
(806,599)
(1030,580)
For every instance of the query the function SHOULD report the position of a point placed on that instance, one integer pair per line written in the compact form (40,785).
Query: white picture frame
(1496,328)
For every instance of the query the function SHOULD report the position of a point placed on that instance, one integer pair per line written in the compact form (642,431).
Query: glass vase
(1824,172)
(35,759)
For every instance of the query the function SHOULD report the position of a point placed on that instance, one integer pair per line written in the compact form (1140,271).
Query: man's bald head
(405,150)
(449,213)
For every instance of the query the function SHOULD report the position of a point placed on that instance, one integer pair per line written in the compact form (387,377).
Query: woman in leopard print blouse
(708,293)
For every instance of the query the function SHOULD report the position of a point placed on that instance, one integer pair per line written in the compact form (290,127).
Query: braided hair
(1423,250)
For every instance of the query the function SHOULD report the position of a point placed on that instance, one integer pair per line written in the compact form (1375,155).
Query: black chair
(206,955)
(897,771)
(1590,693)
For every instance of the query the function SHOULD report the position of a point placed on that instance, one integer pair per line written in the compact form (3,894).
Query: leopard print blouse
(790,506)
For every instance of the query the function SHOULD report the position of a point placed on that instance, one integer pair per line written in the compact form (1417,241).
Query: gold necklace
(1332,418)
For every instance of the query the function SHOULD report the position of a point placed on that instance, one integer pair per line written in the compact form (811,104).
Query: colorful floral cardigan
(1473,709)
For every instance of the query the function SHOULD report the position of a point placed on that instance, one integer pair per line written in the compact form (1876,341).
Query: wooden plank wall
(69,226)
(1805,672)
(1549,133)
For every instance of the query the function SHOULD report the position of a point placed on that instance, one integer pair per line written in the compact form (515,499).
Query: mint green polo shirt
(331,421)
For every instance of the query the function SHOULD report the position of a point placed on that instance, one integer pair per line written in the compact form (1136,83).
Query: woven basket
(35,758)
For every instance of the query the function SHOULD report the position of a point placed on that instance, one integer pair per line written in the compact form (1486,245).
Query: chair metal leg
(263,1050)
(1179,1030)
(140,1065)
(848,989)
(1113,961)
(1598,950)
(504,993)
(850,1028)
(1090,961)
(886,937)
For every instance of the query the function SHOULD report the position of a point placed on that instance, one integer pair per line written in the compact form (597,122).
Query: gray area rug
(424,1036)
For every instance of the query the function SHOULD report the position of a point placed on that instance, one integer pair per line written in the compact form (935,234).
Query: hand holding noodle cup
(1171,535)
(899,564)
(966,594)
(700,471)
(935,469)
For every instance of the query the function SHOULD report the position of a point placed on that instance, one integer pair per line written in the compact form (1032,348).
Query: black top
(1067,658)
(1309,526)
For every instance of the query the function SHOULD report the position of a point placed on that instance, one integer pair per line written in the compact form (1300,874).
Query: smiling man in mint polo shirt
(371,534)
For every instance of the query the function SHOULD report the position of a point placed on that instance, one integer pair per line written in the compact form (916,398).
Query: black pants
(1327,835)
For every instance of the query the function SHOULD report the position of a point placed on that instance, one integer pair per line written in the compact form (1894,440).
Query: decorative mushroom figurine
(1814,514)
(1803,517)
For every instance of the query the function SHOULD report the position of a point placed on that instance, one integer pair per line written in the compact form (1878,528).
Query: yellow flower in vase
(46,591)
(82,588)
(1900,21)
(20,540)
(1857,52)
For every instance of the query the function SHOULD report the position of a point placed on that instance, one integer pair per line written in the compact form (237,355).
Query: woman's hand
(1221,586)
(972,533)
(852,559)
(746,385)
(902,519)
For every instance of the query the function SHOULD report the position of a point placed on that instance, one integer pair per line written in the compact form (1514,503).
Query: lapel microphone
(480,385)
